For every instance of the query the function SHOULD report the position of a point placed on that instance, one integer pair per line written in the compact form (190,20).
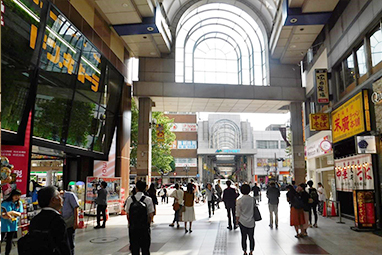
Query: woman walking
(11,210)
(245,220)
(321,197)
(210,193)
(178,199)
(189,213)
(153,194)
(296,211)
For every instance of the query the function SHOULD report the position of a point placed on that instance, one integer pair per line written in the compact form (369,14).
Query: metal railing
(338,213)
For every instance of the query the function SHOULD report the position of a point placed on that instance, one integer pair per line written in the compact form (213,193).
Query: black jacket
(229,197)
(273,195)
(50,220)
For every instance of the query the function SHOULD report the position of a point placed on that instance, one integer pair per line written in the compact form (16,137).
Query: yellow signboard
(319,121)
(349,119)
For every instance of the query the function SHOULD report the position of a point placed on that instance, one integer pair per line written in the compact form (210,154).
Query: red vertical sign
(18,156)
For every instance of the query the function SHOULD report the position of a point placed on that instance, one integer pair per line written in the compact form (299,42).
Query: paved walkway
(210,236)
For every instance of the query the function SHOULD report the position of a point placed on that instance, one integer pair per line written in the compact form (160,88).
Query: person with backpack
(11,209)
(47,230)
(313,202)
(297,219)
(139,211)
(256,193)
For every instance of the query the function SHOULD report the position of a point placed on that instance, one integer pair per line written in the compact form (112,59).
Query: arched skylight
(220,43)
(225,134)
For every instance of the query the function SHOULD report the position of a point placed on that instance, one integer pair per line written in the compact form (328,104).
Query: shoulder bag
(256,212)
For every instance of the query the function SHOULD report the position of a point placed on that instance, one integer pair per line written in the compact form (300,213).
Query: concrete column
(297,142)
(144,140)
(200,168)
(123,140)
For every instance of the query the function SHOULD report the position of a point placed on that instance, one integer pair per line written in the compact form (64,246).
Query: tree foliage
(161,150)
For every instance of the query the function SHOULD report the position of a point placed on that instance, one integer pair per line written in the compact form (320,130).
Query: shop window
(349,71)
(267,144)
(376,47)
(283,145)
(361,59)
(340,76)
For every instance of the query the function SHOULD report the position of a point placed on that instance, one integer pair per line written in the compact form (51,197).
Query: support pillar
(200,168)
(123,140)
(297,142)
(144,140)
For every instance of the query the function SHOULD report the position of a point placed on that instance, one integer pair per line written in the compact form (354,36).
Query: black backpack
(138,214)
(297,202)
(37,242)
(313,196)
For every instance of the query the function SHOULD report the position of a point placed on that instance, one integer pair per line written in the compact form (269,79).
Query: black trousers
(231,211)
(250,232)
(313,208)
(211,205)
(101,209)
(140,240)
(71,238)
(8,240)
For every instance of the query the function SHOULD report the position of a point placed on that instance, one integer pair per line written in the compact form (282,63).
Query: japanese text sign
(160,132)
(349,119)
(319,121)
(322,86)
(354,173)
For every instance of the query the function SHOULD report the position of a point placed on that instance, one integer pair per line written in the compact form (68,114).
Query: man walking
(256,193)
(313,202)
(101,202)
(139,209)
(273,195)
(70,215)
(219,192)
(229,199)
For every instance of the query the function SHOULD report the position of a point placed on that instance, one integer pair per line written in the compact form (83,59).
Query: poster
(364,210)
(322,86)
(18,156)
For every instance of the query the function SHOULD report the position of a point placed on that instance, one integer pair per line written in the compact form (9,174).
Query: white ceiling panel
(124,18)
(115,6)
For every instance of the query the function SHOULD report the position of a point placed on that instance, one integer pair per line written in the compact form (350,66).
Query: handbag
(176,206)
(256,212)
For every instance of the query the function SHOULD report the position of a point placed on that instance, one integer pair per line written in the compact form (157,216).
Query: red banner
(18,156)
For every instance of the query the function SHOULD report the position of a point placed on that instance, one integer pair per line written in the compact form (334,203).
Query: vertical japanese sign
(349,119)
(364,210)
(18,156)
(321,76)
(319,121)
(160,132)
(354,173)
(107,168)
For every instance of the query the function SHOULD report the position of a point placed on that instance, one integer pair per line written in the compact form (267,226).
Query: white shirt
(148,201)
(321,194)
(178,194)
(244,210)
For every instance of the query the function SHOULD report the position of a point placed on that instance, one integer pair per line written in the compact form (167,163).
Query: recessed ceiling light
(150,29)
(153,53)
(125,5)
(293,46)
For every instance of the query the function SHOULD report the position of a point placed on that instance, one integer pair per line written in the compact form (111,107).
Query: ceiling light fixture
(150,29)
(125,5)
(293,20)
(153,53)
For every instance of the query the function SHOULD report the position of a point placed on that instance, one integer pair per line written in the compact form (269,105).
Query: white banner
(183,127)
(187,145)
(318,148)
(106,168)
(182,162)
(354,173)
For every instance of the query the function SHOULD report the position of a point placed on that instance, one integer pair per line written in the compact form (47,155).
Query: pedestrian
(101,202)
(273,195)
(189,212)
(164,195)
(139,212)
(321,197)
(229,198)
(294,185)
(219,192)
(313,202)
(70,214)
(256,193)
(50,220)
(153,195)
(11,210)
(210,193)
(245,219)
(306,207)
(178,199)
(297,219)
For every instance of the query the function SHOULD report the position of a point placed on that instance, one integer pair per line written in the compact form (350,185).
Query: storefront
(320,162)
(356,160)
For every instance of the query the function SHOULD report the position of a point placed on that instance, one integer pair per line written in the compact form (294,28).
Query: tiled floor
(210,236)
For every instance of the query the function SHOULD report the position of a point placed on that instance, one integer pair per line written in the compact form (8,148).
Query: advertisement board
(183,127)
(318,148)
(321,81)
(187,145)
(319,121)
(366,144)
(364,210)
(113,193)
(182,162)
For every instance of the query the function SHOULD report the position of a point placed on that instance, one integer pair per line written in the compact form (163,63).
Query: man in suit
(229,199)
(49,219)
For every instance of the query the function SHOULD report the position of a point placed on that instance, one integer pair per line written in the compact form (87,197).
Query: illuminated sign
(228,151)
(351,118)
(319,121)
(187,144)
(321,76)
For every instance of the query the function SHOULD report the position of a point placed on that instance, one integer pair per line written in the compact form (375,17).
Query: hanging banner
(349,119)
(183,127)
(319,121)
(18,157)
(107,168)
(322,86)
(354,173)
(160,132)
